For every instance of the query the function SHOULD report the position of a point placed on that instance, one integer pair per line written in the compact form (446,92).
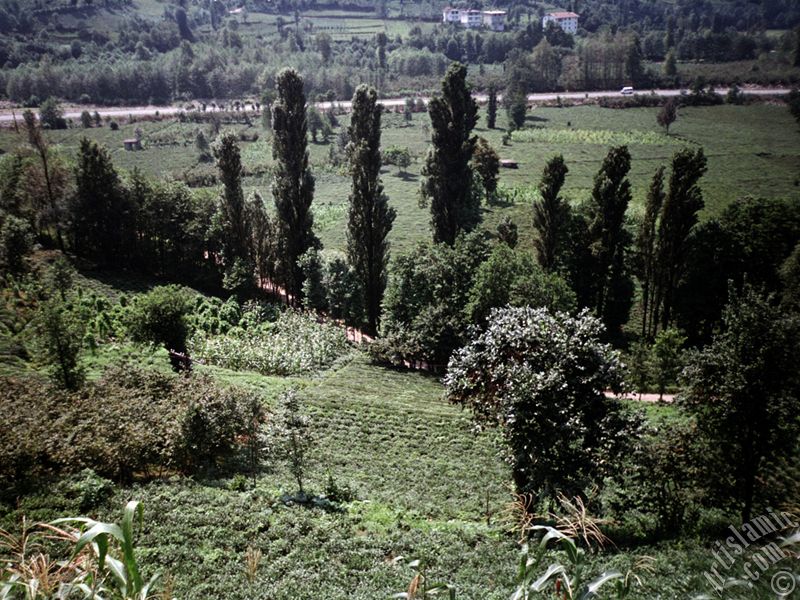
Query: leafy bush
(540,377)
(160,318)
(88,488)
(294,344)
(130,421)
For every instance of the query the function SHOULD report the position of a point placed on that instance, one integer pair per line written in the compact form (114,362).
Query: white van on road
(626,91)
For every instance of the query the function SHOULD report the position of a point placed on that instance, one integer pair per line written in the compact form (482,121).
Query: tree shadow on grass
(406,176)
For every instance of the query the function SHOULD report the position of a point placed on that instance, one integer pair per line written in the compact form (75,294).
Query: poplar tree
(370,217)
(646,246)
(232,208)
(293,185)
(491,108)
(550,213)
(448,176)
(679,215)
(611,195)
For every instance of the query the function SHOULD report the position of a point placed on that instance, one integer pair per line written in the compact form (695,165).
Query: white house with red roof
(568,21)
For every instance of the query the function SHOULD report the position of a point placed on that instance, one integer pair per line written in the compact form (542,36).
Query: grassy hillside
(424,487)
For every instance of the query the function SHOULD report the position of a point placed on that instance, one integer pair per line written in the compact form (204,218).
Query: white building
(494,19)
(471,19)
(451,15)
(568,21)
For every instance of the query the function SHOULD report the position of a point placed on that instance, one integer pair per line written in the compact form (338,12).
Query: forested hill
(160,51)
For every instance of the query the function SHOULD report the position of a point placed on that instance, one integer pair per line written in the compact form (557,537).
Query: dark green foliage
(51,115)
(491,108)
(291,434)
(315,123)
(540,377)
(314,295)
(448,177)
(427,294)
(59,342)
(233,214)
(263,240)
(793,100)
(511,277)
(175,231)
(395,155)
(50,172)
(102,217)
(550,214)
(670,68)
(86,119)
(370,218)
(790,278)
(665,478)
(16,241)
(517,108)
(610,240)
(159,318)
(646,248)
(343,292)
(293,185)
(679,213)
(667,358)
(744,392)
(232,210)
(750,240)
(130,421)
(486,164)
(668,114)
(183,24)
(507,232)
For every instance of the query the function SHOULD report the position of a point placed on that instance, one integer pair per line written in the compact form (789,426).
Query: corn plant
(419,588)
(117,578)
(26,571)
(568,581)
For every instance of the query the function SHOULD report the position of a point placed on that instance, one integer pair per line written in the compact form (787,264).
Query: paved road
(7,115)
(667,398)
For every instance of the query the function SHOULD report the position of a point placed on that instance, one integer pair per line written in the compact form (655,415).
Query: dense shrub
(131,421)
(294,344)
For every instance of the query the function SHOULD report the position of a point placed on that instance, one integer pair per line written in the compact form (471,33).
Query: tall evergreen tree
(610,240)
(232,209)
(682,204)
(370,216)
(448,176)
(491,107)
(293,185)
(646,248)
(100,213)
(550,213)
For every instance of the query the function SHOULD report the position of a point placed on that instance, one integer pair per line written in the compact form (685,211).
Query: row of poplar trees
(251,241)
(597,253)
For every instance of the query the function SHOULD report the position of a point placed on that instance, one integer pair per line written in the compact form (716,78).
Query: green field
(752,150)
